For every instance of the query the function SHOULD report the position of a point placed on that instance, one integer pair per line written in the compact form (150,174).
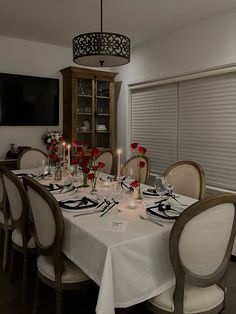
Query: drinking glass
(159,184)
(169,183)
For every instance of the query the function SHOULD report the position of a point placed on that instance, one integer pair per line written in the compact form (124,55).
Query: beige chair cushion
(72,273)
(17,238)
(2,219)
(196,300)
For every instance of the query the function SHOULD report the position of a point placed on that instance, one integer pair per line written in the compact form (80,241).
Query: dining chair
(5,222)
(130,168)
(22,234)
(108,159)
(31,158)
(200,246)
(188,178)
(54,269)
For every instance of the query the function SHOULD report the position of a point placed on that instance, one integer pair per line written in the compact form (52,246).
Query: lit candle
(64,154)
(119,151)
(68,156)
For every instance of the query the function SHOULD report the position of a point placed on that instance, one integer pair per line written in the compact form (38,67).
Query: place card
(115,225)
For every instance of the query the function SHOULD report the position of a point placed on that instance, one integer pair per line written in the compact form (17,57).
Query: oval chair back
(31,158)
(107,158)
(188,178)
(130,168)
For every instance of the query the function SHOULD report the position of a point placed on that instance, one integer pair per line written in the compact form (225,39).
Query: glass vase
(140,194)
(85,180)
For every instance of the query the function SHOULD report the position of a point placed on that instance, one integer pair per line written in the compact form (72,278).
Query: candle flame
(119,151)
(68,146)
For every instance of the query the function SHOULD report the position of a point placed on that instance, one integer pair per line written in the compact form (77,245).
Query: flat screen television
(28,100)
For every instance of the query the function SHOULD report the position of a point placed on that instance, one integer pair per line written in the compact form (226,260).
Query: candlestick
(64,154)
(119,151)
(68,156)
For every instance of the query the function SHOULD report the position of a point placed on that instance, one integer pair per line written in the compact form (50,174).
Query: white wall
(204,45)
(36,59)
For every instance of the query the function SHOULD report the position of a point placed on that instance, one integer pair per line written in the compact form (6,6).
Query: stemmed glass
(169,183)
(159,185)
(77,177)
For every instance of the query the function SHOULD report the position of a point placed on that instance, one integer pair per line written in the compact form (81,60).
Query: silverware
(109,207)
(82,214)
(146,218)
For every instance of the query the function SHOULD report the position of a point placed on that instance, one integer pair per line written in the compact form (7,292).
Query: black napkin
(162,214)
(83,203)
(151,192)
(53,187)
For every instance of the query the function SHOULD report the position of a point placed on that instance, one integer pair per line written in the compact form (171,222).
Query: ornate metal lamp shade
(101,49)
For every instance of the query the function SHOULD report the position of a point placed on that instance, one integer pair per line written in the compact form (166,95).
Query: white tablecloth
(130,266)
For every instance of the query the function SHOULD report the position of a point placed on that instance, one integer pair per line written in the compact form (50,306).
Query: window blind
(154,123)
(207,127)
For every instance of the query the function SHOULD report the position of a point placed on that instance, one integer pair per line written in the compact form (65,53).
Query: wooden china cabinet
(88,107)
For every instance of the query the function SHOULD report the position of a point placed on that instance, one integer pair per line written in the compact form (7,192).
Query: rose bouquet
(138,152)
(53,140)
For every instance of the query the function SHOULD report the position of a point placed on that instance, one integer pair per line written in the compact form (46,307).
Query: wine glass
(169,183)
(159,185)
(77,177)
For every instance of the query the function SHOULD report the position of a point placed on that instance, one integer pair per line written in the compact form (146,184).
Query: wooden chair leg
(24,278)
(11,263)
(5,249)
(58,302)
(36,295)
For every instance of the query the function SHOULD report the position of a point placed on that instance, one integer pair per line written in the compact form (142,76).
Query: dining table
(122,251)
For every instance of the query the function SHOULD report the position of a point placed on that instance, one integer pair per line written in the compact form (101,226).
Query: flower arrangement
(138,152)
(87,162)
(53,140)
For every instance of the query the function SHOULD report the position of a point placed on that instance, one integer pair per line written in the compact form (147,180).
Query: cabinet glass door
(84,111)
(102,114)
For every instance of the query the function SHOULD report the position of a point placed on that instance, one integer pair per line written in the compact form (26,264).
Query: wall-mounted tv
(28,100)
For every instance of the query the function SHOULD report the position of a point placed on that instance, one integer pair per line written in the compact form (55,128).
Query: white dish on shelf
(101,127)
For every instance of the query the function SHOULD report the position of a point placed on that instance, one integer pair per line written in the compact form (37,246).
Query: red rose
(135,184)
(86,170)
(133,145)
(94,152)
(53,141)
(141,164)
(101,165)
(141,150)
(95,168)
(56,148)
(83,164)
(91,176)
(75,143)
(49,147)
(74,162)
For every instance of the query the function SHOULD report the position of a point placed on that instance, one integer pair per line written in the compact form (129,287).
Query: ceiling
(58,21)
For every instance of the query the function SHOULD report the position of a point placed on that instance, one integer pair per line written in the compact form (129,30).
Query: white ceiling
(58,21)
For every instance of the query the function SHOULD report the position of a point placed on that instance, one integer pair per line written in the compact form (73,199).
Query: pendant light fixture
(101,48)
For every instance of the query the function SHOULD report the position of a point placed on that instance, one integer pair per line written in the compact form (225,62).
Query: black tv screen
(28,100)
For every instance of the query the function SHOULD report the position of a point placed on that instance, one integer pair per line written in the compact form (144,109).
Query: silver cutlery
(146,218)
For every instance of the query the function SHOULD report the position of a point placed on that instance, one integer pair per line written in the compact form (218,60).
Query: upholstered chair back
(107,158)
(130,168)
(47,217)
(188,178)
(201,243)
(31,158)
(13,188)
(1,192)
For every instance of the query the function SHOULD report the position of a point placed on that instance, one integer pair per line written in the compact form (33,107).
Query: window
(192,120)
